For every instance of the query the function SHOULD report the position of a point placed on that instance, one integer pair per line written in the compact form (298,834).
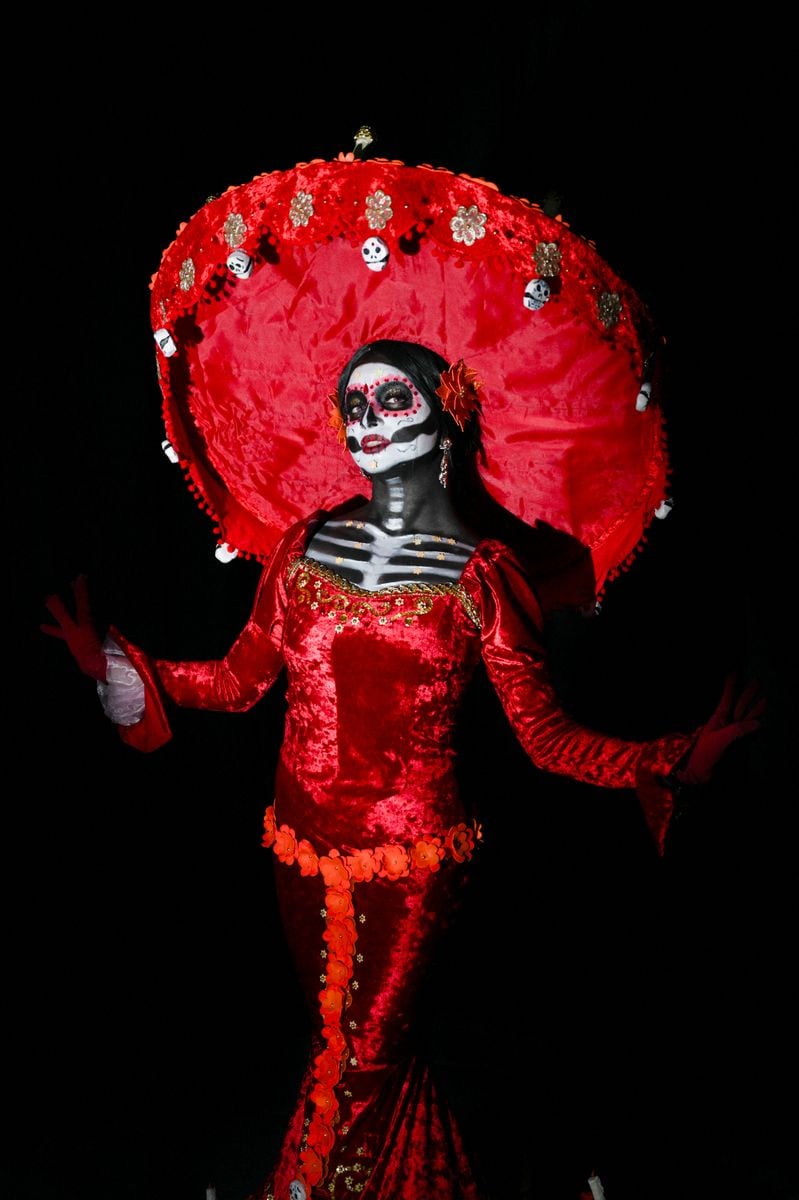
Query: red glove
(79,633)
(732,719)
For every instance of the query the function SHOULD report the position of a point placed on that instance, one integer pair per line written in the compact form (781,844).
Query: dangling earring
(446,461)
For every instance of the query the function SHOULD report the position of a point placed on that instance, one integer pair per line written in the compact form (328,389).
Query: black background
(615,1012)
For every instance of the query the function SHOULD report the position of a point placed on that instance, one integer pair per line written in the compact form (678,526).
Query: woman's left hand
(78,631)
(733,718)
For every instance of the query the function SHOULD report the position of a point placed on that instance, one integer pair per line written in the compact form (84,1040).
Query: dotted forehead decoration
(378,383)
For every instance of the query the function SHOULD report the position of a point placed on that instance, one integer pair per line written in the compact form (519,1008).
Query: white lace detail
(122,696)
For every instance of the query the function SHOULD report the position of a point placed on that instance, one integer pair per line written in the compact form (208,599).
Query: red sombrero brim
(246,392)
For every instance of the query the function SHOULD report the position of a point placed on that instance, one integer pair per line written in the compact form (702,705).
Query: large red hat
(267,291)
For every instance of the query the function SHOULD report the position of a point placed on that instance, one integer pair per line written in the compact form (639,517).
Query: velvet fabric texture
(370,831)
(568,437)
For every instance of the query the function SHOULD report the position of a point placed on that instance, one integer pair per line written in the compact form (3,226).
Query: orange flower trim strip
(340,873)
(391,861)
(459,392)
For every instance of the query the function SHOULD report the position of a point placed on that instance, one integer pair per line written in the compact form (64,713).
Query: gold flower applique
(378,210)
(547,259)
(301,209)
(468,225)
(186,274)
(609,308)
(234,230)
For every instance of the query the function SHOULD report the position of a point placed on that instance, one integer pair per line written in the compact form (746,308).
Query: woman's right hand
(736,714)
(78,631)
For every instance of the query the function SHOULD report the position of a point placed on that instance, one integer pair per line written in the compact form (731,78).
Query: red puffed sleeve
(230,684)
(514,657)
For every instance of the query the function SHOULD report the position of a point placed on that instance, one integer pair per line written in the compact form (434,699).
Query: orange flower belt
(340,872)
(390,861)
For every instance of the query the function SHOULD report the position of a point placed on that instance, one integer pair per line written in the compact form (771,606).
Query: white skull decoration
(170,451)
(297,1190)
(663,509)
(225,553)
(375,253)
(536,294)
(240,264)
(164,342)
(643,397)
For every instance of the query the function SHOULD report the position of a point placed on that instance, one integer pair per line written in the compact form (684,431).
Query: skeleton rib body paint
(366,555)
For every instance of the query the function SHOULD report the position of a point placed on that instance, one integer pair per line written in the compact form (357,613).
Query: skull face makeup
(388,420)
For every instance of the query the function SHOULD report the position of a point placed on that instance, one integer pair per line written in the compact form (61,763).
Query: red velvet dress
(370,831)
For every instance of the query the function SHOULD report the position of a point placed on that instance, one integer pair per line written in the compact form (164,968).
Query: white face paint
(297,1190)
(388,420)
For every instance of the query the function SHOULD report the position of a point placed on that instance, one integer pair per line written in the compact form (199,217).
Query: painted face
(388,420)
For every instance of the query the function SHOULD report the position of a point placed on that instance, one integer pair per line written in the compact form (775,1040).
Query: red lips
(372,444)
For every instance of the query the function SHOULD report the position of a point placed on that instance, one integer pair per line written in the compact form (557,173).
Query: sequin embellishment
(234,230)
(301,209)
(378,210)
(468,224)
(347,604)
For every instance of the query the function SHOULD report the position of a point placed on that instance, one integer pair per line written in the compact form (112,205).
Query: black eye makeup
(355,403)
(394,396)
(391,396)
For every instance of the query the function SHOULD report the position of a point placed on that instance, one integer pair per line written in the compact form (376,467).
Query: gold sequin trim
(609,308)
(234,230)
(349,604)
(547,259)
(378,210)
(468,224)
(301,209)
(348,1170)
(186,274)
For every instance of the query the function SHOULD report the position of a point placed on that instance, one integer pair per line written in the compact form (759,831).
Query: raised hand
(733,717)
(78,631)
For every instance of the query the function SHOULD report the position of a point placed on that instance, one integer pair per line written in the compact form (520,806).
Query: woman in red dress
(380,610)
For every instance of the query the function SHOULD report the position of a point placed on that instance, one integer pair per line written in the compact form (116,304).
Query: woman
(381,607)
(381,613)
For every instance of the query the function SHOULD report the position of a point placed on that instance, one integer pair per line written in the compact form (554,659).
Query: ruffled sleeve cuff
(122,691)
(151,729)
(656,786)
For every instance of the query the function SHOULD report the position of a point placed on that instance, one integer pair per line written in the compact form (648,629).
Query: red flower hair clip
(335,419)
(459,392)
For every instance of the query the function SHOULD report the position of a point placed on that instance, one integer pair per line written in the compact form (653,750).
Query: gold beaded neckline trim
(383,603)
